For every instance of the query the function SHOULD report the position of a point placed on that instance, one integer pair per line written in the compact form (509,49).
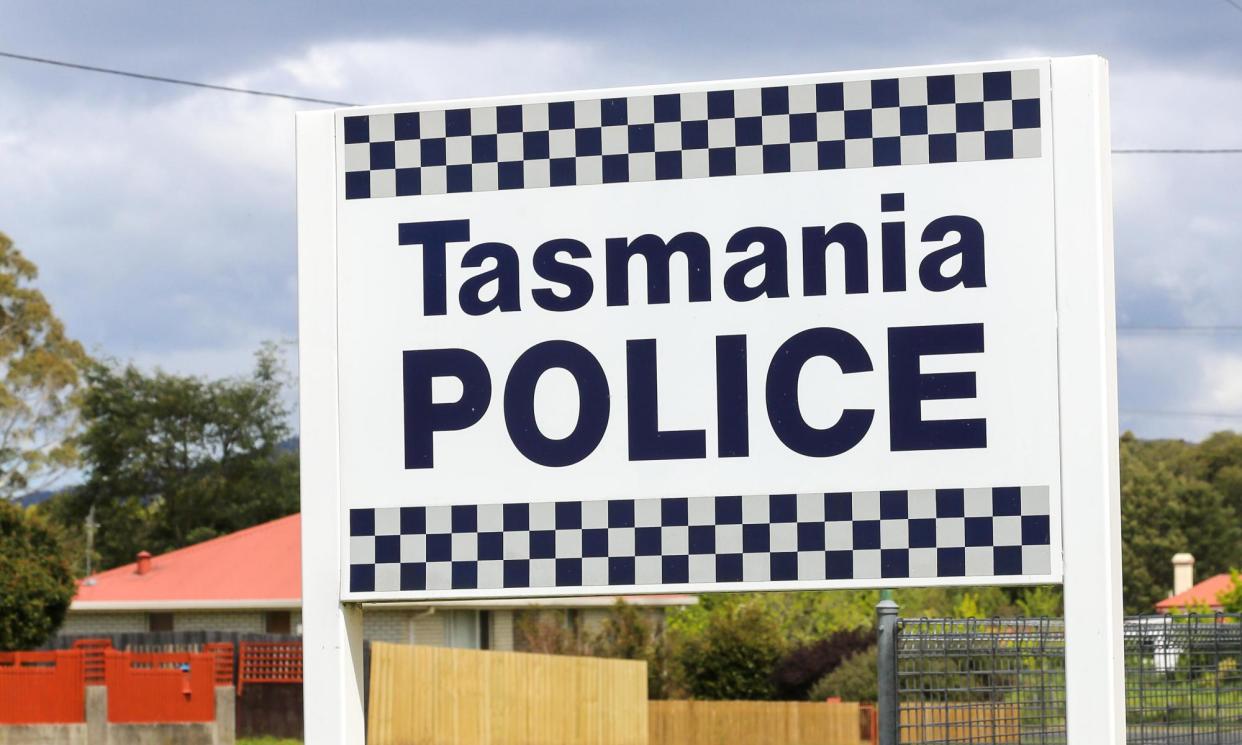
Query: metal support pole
(886,628)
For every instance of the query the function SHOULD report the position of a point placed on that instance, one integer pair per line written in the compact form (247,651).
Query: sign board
(809,332)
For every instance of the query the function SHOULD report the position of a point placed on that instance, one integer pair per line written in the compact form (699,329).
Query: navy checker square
(808,126)
(865,535)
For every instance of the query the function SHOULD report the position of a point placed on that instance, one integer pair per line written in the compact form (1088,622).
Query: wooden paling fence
(753,723)
(434,696)
(961,722)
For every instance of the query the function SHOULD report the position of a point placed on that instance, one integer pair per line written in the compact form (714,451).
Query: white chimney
(1183,573)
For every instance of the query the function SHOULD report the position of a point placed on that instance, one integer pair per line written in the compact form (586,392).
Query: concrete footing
(97,730)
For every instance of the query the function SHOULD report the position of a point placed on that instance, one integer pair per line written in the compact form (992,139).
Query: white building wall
(502,630)
(103,623)
(250,622)
(386,626)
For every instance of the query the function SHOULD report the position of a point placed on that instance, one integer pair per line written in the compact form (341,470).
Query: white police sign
(788,333)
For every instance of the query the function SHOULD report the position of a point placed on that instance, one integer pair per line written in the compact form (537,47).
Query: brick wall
(502,630)
(103,623)
(386,626)
(241,621)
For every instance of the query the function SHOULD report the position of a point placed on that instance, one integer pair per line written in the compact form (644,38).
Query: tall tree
(174,460)
(40,378)
(36,584)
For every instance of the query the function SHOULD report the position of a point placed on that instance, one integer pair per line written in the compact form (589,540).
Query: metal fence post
(886,627)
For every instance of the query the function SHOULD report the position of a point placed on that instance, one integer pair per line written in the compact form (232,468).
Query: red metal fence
(269,662)
(93,658)
(42,687)
(160,687)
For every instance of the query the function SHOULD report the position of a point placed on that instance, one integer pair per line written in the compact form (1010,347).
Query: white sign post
(812,332)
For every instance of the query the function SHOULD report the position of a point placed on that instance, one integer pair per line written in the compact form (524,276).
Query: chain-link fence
(977,681)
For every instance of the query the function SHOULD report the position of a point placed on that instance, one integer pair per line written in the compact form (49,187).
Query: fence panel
(148,687)
(42,688)
(269,662)
(753,723)
(436,696)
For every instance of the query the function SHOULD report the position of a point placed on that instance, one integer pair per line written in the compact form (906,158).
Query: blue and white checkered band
(806,127)
(990,532)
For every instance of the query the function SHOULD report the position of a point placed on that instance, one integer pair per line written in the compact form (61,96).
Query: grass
(266,741)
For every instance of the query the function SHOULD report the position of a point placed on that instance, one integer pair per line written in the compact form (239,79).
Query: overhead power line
(1235,5)
(173,81)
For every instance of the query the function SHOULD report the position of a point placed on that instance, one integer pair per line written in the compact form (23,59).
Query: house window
(278,622)
(159,622)
(461,629)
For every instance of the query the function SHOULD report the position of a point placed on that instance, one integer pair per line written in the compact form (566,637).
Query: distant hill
(36,497)
(290,445)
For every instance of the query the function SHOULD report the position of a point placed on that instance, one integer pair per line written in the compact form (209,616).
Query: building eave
(113,606)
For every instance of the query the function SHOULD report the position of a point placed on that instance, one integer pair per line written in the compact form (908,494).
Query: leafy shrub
(36,583)
(808,663)
(732,655)
(855,679)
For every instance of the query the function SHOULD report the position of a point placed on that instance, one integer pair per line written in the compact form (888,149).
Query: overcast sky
(162,217)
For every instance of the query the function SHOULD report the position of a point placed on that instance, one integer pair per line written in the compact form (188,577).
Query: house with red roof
(251,582)
(1187,595)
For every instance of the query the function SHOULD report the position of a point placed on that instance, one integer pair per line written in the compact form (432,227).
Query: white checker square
(749,160)
(701,510)
(361,549)
(490,518)
(543,572)
(775,129)
(755,509)
(648,570)
(748,102)
(675,540)
(595,514)
(858,153)
(640,110)
(543,516)
(912,91)
(434,181)
(812,565)
(915,150)
(728,539)
(865,505)
(536,173)
(894,534)
(595,571)
(695,164)
(620,541)
(977,502)
(997,115)
(589,170)
(1024,83)
(783,537)
(950,532)
(465,547)
(969,146)
(491,575)
(483,121)
(439,575)
(1007,531)
(702,568)
(668,136)
(839,536)
(968,87)
(457,151)
(615,140)
(642,167)
(923,562)
(1026,143)
(409,153)
(830,125)
(756,568)
(979,561)
(509,146)
(721,133)
(811,508)
(534,117)
(941,119)
(388,520)
(1034,500)
(867,564)
(803,156)
(413,548)
(562,143)
(1036,560)
(569,544)
(384,183)
(431,124)
(358,156)
(387,577)
(921,503)
(886,122)
(587,113)
(802,99)
(380,128)
(693,106)
(647,513)
(484,177)
(517,545)
(857,95)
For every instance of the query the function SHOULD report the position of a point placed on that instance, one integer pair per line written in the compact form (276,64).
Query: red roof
(256,567)
(1203,593)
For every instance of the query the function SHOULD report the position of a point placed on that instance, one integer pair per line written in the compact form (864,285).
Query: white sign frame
(1090,516)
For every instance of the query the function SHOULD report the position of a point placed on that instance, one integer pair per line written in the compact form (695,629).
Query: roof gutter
(102,606)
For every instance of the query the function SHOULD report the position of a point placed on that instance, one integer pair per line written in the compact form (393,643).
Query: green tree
(175,460)
(732,654)
(856,679)
(40,378)
(36,583)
